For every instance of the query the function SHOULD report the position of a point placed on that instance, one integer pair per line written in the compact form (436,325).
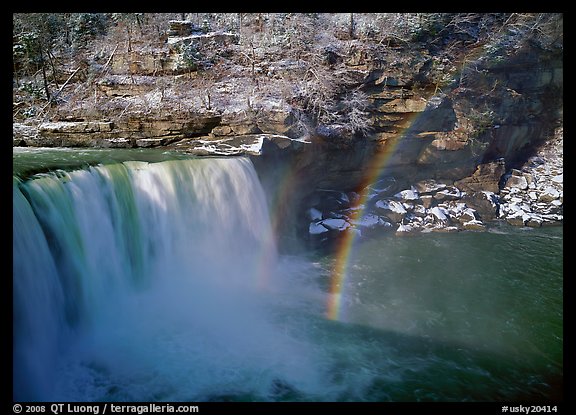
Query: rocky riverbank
(531,195)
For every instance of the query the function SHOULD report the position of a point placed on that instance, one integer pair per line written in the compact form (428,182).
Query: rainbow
(345,244)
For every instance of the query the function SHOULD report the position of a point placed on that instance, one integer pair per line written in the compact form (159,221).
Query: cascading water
(120,267)
(160,281)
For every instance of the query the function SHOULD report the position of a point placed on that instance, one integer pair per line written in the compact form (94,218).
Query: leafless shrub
(355,110)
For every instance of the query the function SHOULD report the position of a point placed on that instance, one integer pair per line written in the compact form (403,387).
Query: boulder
(392,209)
(549,194)
(449,193)
(485,178)
(335,224)
(518,218)
(428,187)
(407,195)
(474,225)
(440,214)
(534,221)
(404,229)
(466,215)
(517,181)
(369,220)
(316,228)
(419,211)
(485,204)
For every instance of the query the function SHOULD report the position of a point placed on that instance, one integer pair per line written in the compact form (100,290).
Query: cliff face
(463,113)
(491,109)
(473,136)
(441,118)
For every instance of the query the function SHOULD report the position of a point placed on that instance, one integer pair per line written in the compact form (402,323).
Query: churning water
(161,281)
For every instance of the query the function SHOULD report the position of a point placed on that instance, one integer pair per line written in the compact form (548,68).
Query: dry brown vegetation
(308,61)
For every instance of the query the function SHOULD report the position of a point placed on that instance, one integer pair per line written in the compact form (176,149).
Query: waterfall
(118,266)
